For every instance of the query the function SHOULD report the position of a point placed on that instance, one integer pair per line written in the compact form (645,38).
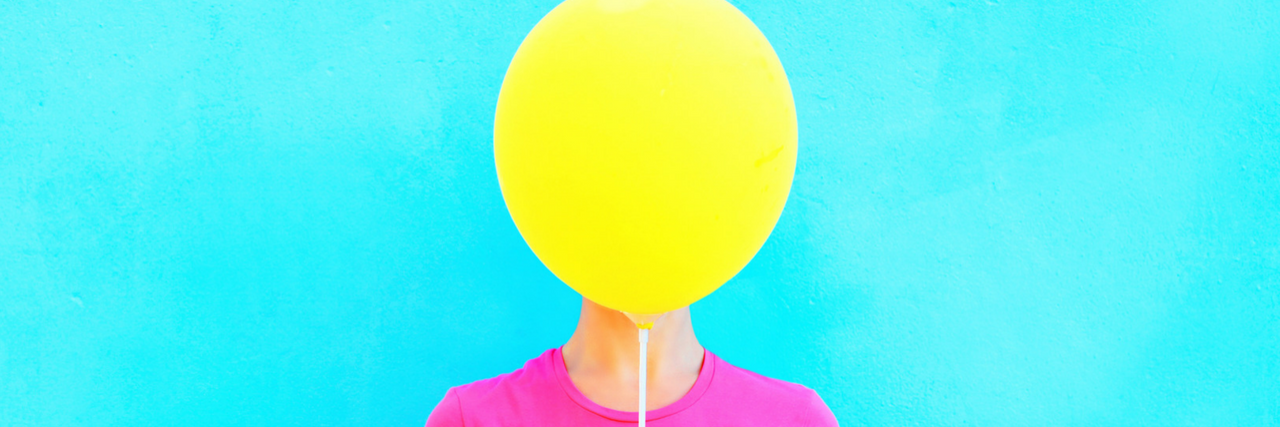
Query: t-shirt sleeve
(819,415)
(448,412)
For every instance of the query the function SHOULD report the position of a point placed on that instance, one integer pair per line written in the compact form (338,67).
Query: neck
(603,358)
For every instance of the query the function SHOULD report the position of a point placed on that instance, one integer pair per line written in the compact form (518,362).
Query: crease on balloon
(769,157)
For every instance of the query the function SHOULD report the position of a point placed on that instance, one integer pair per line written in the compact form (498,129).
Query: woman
(592,381)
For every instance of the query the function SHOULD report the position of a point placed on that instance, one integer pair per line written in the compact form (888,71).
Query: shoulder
(497,394)
(800,405)
(536,374)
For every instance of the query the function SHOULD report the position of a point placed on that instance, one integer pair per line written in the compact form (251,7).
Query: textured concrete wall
(285,213)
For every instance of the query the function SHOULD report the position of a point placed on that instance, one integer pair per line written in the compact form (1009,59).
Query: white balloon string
(644,368)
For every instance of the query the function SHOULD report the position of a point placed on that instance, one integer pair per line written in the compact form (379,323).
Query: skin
(603,358)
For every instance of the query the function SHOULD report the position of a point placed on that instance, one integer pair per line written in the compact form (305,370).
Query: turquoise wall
(1006,213)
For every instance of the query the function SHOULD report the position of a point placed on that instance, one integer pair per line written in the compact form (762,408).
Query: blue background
(1005,213)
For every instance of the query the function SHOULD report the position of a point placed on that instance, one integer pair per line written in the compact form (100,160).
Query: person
(593,381)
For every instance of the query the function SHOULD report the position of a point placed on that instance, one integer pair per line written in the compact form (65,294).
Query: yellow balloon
(645,148)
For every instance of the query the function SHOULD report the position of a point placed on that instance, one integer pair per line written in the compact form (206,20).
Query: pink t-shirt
(541,394)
